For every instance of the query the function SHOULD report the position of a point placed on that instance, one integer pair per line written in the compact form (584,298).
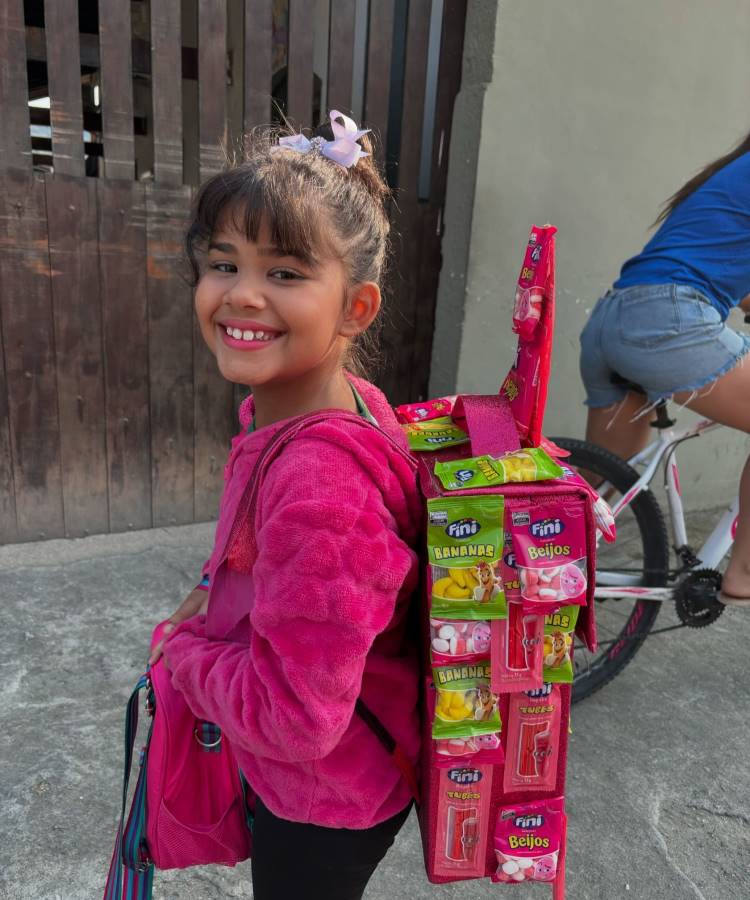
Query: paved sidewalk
(658,778)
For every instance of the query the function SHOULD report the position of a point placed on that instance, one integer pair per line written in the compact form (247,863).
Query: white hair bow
(343,149)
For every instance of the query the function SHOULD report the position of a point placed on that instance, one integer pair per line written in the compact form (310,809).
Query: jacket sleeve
(329,569)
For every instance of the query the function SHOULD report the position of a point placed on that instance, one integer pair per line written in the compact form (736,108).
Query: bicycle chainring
(696,598)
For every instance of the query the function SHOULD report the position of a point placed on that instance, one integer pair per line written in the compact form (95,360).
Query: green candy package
(558,644)
(434,435)
(464,704)
(530,464)
(465,549)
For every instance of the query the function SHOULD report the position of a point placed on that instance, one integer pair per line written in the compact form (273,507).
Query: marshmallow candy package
(528,841)
(464,546)
(453,641)
(549,542)
(533,740)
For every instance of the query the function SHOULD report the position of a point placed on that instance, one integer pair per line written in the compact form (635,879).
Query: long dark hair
(697,180)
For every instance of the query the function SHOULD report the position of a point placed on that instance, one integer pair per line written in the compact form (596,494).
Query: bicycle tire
(656,551)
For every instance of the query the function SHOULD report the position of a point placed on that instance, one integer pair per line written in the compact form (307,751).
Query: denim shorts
(668,338)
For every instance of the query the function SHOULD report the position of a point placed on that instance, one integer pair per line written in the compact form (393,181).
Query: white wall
(594,114)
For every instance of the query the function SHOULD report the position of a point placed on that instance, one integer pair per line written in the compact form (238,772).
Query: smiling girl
(305,619)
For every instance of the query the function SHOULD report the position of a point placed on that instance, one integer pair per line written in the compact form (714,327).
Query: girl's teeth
(248,335)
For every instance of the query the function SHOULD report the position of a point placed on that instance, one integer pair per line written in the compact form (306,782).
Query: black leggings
(297,861)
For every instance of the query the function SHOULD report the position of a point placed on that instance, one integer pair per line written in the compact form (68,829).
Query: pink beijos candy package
(529,841)
(516,658)
(454,641)
(549,541)
(423,412)
(533,740)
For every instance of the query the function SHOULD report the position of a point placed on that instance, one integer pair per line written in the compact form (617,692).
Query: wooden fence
(112,413)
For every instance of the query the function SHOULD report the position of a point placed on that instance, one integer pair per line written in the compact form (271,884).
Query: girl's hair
(697,180)
(314,208)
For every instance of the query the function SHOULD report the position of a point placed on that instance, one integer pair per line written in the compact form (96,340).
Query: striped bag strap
(131,874)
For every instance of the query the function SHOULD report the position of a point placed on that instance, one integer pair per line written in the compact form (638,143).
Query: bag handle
(489,422)
(131,870)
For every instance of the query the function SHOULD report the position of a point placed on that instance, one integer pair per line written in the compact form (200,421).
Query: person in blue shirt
(663,326)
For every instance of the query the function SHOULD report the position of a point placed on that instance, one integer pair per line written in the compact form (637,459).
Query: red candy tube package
(533,740)
(517,646)
(533,321)
(463,814)
(529,841)
(549,542)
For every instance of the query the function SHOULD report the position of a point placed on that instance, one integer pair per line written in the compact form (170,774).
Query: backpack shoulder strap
(400,758)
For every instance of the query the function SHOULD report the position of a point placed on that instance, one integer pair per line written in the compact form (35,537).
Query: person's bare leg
(727,400)
(613,428)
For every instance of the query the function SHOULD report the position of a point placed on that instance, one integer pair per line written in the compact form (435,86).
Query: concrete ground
(658,778)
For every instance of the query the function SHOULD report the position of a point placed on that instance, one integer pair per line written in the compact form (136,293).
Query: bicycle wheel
(641,552)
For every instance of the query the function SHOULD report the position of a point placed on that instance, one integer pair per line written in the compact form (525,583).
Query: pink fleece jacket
(321,619)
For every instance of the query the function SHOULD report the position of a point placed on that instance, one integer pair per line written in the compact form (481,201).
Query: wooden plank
(378,86)
(30,356)
(8,523)
(170,330)
(117,88)
(448,86)
(258,20)
(398,334)
(341,54)
(122,267)
(212,85)
(64,84)
(299,90)
(15,135)
(166,43)
(74,261)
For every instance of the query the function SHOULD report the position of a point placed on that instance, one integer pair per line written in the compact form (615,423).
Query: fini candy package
(525,386)
(549,542)
(475,750)
(454,641)
(528,840)
(532,464)
(517,644)
(434,435)
(463,820)
(558,645)
(464,546)
(464,704)
(424,412)
(533,740)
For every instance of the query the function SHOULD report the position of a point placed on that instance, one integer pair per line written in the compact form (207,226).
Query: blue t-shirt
(704,242)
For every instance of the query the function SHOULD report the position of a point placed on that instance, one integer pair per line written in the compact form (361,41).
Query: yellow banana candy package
(465,549)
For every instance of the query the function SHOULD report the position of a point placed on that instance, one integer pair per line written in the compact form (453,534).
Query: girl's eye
(286,275)
(226,268)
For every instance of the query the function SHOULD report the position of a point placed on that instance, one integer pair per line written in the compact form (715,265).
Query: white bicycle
(634,577)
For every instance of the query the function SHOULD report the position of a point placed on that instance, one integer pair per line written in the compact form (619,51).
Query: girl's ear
(363,305)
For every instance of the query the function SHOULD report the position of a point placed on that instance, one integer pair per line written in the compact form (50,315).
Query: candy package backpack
(189,806)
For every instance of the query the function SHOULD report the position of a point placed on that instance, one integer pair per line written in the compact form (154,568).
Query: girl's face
(269,318)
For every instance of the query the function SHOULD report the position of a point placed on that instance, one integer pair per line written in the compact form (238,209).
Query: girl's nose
(245,293)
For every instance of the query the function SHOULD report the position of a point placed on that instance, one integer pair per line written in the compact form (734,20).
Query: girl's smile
(243,334)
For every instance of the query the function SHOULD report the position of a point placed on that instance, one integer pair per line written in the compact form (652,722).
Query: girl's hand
(195,604)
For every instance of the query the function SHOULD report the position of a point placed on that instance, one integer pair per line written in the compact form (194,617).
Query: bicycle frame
(716,546)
